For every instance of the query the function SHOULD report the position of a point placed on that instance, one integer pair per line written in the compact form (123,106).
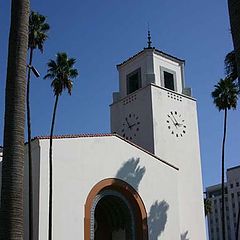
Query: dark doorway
(113,219)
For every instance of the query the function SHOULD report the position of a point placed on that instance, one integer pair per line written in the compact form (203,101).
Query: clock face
(130,126)
(176,124)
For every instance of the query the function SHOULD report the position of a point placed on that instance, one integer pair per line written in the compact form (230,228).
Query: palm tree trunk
(51,171)
(223,171)
(11,213)
(30,149)
(238,222)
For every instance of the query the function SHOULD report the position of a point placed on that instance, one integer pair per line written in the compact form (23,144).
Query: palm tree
(231,66)
(11,211)
(225,96)
(37,35)
(61,72)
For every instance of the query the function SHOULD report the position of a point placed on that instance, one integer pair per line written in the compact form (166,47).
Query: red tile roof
(105,135)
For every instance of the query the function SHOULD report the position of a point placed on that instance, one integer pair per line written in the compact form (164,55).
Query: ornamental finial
(149,38)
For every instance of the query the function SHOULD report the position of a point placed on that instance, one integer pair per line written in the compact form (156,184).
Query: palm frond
(62,72)
(225,94)
(231,66)
(37,32)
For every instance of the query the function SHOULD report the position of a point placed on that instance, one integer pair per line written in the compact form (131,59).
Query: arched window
(114,211)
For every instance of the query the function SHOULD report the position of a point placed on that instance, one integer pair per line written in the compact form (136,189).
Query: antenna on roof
(149,38)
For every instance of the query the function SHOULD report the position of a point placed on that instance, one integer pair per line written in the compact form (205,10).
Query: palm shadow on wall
(157,219)
(184,236)
(132,173)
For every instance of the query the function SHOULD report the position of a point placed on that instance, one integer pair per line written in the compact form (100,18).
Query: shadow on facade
(131,172)
(184,236)
(157,219)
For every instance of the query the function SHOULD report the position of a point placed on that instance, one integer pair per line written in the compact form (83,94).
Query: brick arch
(130,194)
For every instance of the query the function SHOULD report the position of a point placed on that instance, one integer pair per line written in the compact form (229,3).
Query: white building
(141,182)
(232,204)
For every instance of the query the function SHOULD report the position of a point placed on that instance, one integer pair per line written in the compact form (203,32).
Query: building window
(237,184)
(231,185)
(232,194)
(134,81)
(168,78)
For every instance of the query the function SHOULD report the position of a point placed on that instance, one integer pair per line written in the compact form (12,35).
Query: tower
(155,110)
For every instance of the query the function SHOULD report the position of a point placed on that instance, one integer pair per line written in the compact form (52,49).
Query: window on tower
(168,80)
(134,81)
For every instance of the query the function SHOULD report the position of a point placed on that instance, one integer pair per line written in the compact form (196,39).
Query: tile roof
(154,50)
(76,135)
(105,135)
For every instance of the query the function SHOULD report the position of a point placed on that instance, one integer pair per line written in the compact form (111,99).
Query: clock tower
(156,111)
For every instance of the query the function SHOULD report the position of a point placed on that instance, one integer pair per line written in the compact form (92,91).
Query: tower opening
(134,81)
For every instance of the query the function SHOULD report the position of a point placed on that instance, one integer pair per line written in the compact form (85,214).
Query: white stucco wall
(165,63)
(153,104)
(144,61)
(152,64)
(182,152)
(140,104)
(80,163)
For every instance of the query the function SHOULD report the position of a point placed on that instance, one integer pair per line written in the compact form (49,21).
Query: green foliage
(225,94)
(231,66)
(61,72)
(207,206)
(37,31)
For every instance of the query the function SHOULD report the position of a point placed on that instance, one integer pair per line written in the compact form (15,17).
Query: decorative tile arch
(129,193)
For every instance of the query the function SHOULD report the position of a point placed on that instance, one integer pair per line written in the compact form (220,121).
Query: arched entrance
(114,211)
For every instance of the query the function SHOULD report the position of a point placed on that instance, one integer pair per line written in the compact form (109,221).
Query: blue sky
(101,34)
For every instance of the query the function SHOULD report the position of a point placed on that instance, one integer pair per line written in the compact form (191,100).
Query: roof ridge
(107,135)
(154,50)
(75,135)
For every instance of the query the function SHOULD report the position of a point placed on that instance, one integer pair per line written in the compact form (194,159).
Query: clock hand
(175,120)
(127,123)
(175,124)
(132,125)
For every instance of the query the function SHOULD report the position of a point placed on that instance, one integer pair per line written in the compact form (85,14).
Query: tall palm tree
(231,66)
(61,72)
(37,35)
(225,96)
(11,211)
